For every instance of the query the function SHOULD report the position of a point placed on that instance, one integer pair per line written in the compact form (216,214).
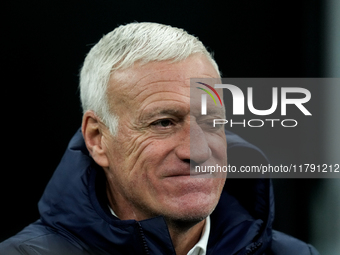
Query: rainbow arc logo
(204,97)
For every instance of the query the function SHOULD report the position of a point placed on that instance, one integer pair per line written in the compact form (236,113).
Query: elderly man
(124,184)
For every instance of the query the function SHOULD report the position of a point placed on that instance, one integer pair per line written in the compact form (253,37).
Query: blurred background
(44,45)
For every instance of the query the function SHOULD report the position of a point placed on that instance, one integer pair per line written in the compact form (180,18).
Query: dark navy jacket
(75,218)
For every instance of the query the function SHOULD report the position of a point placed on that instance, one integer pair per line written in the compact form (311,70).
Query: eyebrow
(210,111)
(168,111)
(216,111)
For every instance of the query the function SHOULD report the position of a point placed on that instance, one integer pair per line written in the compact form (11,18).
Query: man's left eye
(163,123)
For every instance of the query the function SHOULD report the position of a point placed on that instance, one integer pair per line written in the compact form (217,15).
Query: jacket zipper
(145,246)
(253,248)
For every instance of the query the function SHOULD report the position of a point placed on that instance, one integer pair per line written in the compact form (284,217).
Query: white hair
(120,49)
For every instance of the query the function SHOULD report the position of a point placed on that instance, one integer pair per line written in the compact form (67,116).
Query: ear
(92,129)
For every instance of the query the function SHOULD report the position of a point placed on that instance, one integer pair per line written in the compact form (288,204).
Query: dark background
(45,43)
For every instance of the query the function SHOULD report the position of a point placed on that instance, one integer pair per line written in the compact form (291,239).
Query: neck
(185,237)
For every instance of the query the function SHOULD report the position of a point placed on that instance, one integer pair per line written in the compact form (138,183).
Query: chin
(185,220)
(192,204)
(192,213)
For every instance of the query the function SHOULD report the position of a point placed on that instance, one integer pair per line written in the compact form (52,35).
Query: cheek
(126,149)
(139,162)
(149,168)
(154,155)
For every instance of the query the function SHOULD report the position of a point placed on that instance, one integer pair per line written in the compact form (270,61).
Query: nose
(194,146)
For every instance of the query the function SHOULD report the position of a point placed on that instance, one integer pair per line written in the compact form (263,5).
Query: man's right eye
(162,123)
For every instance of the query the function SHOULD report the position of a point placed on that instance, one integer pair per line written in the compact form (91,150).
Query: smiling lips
(183,173)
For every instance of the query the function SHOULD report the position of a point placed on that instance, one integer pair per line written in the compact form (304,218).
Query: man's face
(149,158)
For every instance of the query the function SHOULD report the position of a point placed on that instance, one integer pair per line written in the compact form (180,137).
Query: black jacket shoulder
(38,239)
(283,244)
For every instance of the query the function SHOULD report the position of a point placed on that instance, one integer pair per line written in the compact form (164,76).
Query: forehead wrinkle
(173,100)
(131,74)
(162,81)
(169,73)
(128,92)
(168,91)
(167,99)
(203,76)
